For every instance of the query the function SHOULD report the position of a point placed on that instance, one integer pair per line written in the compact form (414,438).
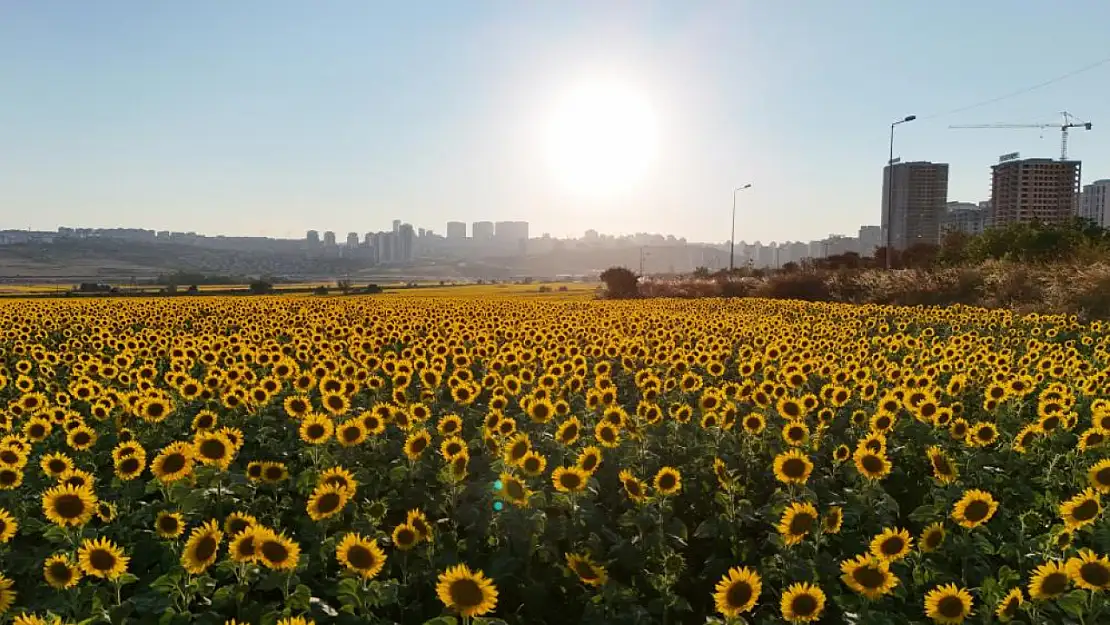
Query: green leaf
(55,534)
(347,586)
(1072,603)
(301,599)
(128,578)
(442,620)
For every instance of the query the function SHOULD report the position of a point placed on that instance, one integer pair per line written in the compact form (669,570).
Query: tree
(620,282)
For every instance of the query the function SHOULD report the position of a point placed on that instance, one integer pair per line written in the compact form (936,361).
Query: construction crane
(1070,121)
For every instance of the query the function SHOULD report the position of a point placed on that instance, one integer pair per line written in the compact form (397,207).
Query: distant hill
(120,259)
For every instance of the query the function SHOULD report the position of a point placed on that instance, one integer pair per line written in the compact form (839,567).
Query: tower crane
(1070,121)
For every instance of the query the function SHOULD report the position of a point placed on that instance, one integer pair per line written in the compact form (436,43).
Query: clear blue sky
(273,116)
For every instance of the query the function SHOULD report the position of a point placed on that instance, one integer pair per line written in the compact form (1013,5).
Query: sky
(272,117)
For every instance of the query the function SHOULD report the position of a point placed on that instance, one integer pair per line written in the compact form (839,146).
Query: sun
(601,139)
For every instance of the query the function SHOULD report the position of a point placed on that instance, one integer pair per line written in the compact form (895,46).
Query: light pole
(890,185)
(732,237)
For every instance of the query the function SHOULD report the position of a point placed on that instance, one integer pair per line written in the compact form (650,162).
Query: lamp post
(732,237)
(890,185)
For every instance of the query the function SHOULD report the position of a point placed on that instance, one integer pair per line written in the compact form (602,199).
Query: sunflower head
(468,593)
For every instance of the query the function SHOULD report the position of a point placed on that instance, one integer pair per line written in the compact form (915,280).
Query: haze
(273,117)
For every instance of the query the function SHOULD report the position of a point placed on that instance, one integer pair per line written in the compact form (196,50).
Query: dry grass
(1075,288)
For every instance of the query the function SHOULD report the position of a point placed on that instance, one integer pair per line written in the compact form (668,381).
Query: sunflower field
(439,460)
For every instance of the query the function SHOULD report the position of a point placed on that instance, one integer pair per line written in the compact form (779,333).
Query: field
(488,457)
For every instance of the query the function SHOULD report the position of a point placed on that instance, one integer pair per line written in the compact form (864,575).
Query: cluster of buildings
(916,208)
(404,242)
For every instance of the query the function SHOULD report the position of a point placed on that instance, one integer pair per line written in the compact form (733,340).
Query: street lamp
(732,238)
(890,185)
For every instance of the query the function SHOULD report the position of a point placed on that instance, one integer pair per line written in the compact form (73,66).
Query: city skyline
(115,111)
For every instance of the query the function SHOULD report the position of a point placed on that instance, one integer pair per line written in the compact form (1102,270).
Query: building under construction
(1034,189)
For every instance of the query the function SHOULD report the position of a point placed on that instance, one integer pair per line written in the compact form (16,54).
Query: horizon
(273,118)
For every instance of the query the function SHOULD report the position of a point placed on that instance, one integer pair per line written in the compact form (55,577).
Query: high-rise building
(962,217)
(511,235)
(1034,189)
(870,237)
(405,235)
(482,230)
(329,238)
(313,237)
(456,230)
(1093,203)
(920,193)
(396,225)
(352,239)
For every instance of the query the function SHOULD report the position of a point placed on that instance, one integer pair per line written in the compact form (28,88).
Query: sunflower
(1098,476)
(533,464)
(1049,581)
(169,524)
(607,434)
(633,486)
(974,508)
(832,520)
(129,467)
(795,433)
(202,547)
(1089,570)
(948,604)
(797,521)
(340,478)
(316,429)
(1008,608)
(8,526)
(589,459)
(514,490)
(102,558)
(360,555)
(842,453)
(872,465)
(239,522)
(405,536)
(944,470)
(802,603)
(469,593)
(243,546)
(326,501)
(892,544)
(173,463)
(868,575)
(451,447)
(274,472)
(274,550)
(416,443)
(10,478)
(55,464)
(588,571)
(7,595)
(931,537)
(60,572)
(569,479)
(419,521)
(737,592)
(754,423)
(350,433)
(69,505)
(668,481)
(1092,438)
(106,511)
(81,438)
(568,431)
(792,467)
(1081,509)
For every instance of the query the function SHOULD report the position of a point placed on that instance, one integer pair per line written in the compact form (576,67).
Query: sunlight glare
(601,139)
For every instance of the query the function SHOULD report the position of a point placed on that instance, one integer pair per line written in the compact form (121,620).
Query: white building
(1092,203)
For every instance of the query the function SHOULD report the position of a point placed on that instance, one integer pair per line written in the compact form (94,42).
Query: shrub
(809,286)
(620,282)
